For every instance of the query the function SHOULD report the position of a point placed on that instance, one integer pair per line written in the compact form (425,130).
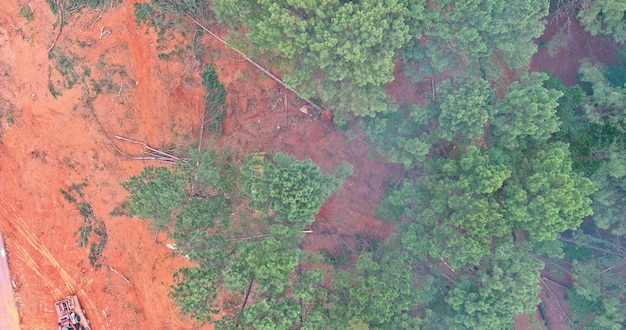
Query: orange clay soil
(49,143)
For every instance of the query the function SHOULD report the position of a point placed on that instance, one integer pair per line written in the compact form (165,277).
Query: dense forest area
(506,171)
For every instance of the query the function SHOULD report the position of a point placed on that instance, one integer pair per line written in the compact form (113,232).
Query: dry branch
(594,247)
(100,12)
(261,236)
(122,276)
(556,299)
(104,32)
(258,66)
(153,154)
(432,86)
(60,26)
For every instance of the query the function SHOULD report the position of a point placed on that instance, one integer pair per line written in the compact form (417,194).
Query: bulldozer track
(16,225)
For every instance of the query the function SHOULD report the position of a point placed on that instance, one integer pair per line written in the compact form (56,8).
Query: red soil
(580,45)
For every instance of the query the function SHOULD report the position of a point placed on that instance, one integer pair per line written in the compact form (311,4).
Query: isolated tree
(292,189)
(155,194)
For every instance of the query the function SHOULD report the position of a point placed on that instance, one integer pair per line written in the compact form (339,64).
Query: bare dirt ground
(50,143)
(576,44)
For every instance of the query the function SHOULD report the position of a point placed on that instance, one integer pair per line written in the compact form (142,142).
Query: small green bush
(214,100)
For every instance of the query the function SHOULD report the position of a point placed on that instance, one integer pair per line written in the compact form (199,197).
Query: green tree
(268,262)
(504,285)
(155,194)
(195,292)
(292,189)
(545,197)
(528,111)
(465,111)
(335,50)
(379,292)
(455,205)
(607,103)
(459,35)
(604,17)
(610,200)
(598,289)
(403,138)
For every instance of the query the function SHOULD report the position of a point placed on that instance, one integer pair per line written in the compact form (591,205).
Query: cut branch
(122,276)
(593,247)
(556,299)
(245,300)
(99,12)
(153,154)
(60,26)
(261,236)
(258,66)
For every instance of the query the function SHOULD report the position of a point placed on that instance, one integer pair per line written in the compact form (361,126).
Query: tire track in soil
(15,224)
(140,55)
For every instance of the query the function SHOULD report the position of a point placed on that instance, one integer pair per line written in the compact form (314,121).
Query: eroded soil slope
(50,143)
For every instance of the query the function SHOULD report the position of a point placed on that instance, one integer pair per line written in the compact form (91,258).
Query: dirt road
(9,318)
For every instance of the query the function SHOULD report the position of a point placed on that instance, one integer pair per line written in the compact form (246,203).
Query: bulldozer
(71,314)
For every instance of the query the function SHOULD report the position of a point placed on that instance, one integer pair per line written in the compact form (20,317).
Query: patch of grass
(75,4)
(337,261)
(105,86)
(86,72)
(10,116)
(65,65)
(52,90)
(144,13)
(214,100)
(92,229)
(120,210)
(27,12)
(96,248)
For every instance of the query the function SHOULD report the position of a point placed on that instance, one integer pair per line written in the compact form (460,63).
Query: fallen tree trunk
(258,66)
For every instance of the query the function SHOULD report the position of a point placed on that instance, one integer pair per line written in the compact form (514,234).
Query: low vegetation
(92,229)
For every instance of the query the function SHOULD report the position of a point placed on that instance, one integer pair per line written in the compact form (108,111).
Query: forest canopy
(505,172)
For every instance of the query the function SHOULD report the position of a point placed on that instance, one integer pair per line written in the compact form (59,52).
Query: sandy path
(9,318)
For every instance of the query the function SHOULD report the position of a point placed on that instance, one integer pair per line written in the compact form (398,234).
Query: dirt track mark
(15,224)
(140,54)
(22,229)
